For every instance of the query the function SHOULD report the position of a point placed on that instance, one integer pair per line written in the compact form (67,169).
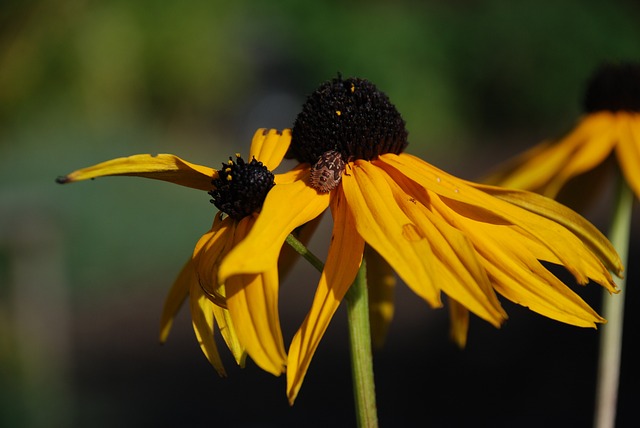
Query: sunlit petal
(286,207)
(343,262)
(388,230)
(164,167)
(270,146)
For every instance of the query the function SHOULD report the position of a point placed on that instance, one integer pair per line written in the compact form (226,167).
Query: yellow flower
(437,232)
(245,307)
(610,127)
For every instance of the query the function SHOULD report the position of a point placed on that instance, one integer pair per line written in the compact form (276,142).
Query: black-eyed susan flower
(245,307)
(604,142)
(609,128)
(438,232)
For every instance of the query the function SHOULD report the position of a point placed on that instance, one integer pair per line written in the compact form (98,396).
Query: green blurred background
(84,268)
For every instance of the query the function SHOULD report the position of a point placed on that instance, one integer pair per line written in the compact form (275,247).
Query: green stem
(359,338)
(361,357)
(300,248)
(613,312)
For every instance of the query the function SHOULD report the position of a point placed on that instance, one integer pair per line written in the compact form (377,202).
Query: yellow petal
(628,150)
(343,262)
(177,294)
(203,325)
(253,304)
(381,282)
(207,254)
(228,332)
(270,146)
(296,174)
(388,230)
(164,167)
(289,256)
(459,319)
(452,256)
(563,244)
(558,213)
(286,207)
(548,166)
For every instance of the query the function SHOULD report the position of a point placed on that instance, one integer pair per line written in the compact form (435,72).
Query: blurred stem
(361,358)
(613,312)
(359,338)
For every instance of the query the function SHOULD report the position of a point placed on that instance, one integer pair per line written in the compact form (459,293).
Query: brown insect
(327,172)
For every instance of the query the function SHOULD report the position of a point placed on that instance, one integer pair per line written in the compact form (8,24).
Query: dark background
(84,268)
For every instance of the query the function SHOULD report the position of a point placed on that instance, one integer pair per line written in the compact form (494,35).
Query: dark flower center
(614,87)
(241,187)
(351,117)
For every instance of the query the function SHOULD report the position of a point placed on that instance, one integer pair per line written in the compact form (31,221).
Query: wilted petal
(381,282)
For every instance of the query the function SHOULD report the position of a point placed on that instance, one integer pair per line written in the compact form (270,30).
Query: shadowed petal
(253,304)
(164,167)
(459,319)
(177,294)
(203,325)
(381,282)
(628,152)
(343,262)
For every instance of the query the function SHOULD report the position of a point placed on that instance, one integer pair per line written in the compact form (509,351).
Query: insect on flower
(326,173)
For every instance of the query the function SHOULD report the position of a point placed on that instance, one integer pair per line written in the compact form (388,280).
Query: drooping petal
(628,150)
(269,146)
(253,304)
(388,230)
(208,252)
(381,282)
(286,207)
(343,262)
(177,295)
(452,256)
(203,325)
(164,167)
(549,208)
(562,243)
(459,319)
(228,332)
(545,168)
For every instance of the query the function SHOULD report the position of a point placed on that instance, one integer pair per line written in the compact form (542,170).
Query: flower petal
(578,225)
(628,150)
(253,304)
(452,256)
(388,230)
(228,332)
(459,319)
(270,146)
(343,262)
(286,207)
(559,241)
(381,282)
(164,167)
(203,326)
(177,295)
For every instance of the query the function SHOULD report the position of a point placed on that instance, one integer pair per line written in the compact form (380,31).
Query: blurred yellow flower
(438,232)
(245,307)
(609,128)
